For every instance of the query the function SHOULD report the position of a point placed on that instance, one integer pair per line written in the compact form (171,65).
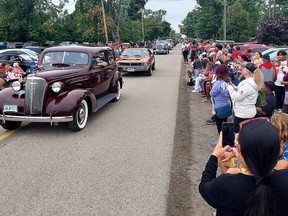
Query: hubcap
(81,115)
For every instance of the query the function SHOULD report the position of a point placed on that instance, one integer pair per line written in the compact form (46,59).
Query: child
(280,122)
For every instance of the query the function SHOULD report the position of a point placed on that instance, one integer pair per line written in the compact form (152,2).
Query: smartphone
(228,135)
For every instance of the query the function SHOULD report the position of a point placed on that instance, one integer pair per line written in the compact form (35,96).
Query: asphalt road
(120,164)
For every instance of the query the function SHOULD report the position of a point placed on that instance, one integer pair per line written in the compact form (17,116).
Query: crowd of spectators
(251,91)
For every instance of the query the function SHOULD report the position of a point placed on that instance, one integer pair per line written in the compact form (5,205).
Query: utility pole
(224,21)
(270,10)
(104,20)
(142,12)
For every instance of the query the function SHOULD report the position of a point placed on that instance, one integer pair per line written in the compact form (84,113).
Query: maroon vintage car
(70,82)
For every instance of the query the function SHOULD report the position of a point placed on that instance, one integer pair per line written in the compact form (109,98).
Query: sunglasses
(252,119)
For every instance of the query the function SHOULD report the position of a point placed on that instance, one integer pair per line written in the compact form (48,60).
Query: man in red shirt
(237,52)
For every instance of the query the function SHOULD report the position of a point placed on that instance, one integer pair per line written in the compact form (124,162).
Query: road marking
(9,133)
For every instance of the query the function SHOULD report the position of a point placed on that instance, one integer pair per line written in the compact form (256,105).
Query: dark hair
(222,71)
(248,50)
(219,46)
(237,48)
(4,64)
(244,57)
(260,148)
(281,52)
(270,85)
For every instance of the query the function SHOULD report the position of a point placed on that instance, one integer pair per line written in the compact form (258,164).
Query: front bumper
(50,119)
(132,68)
(160,51)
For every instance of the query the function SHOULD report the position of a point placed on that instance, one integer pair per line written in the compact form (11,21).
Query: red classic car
(70,82)
(137,60)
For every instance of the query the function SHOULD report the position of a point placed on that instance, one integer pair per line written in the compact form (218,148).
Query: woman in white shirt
(281,64)
(244,96)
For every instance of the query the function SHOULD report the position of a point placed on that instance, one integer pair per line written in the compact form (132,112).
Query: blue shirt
(220,94)
(285,153)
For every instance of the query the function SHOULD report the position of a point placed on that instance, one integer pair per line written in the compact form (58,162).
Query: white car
(16,52)
(272,52)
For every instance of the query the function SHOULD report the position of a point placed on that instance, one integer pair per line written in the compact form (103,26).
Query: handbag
(286,98)
(261,99)
(223,112)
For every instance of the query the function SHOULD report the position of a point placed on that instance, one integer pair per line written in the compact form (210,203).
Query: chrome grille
(159,46)
(34,94)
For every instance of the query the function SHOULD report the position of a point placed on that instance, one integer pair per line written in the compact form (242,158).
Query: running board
(104,100)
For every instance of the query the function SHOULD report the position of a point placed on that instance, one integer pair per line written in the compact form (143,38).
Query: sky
(176,9)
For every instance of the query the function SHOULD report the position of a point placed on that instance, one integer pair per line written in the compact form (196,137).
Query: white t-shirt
(283,67)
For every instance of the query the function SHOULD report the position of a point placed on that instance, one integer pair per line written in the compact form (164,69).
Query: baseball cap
(266,57)
(251,67)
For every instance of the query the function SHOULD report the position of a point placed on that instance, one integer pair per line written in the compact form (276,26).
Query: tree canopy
(42,20)
(243,19)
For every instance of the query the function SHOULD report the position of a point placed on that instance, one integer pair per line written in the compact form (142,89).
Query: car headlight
(57,86)
(16,86)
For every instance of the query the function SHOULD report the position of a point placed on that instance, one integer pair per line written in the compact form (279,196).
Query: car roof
(76,48)
(6,50)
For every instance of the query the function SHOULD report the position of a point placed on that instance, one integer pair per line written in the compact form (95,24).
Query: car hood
(133,59)
(59,73)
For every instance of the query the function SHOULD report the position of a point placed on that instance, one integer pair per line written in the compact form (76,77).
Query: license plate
(10,108)
(130,69)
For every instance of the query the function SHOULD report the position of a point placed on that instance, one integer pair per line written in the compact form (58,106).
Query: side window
(100,59)
(4,57)
(111,56)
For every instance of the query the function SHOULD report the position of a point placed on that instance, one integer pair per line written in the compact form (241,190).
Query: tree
(273,31)
(239,24)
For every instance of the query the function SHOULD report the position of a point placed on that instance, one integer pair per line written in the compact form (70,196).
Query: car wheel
(153,66)
(80,117)
(117,98)
(149,72)
(11,125)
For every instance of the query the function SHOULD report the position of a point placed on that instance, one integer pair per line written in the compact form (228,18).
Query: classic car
(136,60)
(69,82)
(161,48)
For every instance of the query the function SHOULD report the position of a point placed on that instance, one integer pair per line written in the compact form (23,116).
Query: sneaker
(204,100)
(210,122)
(214,143)
(194,91)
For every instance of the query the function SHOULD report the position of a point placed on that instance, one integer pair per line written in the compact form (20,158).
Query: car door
(97,76)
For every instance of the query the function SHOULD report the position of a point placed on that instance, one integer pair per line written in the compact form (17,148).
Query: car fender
(67,103)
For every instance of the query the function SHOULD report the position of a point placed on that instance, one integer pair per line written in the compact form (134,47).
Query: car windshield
(26,57)
(135,52)
(65,58)
(31,52)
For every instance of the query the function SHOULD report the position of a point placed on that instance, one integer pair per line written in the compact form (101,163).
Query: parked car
(136,60)
(15,52)
(50,43)
(37,49)
(254,47)
(69,83)
(25,61)
(161,48)
(30,43)
(3,45)
(14,45)
(273,52)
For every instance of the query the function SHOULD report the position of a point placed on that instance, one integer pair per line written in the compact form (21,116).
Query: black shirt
(229,193)
(269,107)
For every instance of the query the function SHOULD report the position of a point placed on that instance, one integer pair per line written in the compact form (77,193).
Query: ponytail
(255,135)
(258,78)
(262,202)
